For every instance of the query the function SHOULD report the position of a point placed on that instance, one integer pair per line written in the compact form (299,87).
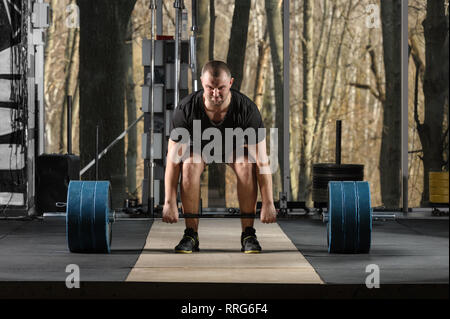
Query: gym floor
(412,255)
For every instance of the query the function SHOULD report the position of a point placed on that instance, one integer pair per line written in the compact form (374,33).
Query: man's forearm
(265,186)
(171,182)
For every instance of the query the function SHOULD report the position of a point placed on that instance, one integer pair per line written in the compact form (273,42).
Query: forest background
(344,65)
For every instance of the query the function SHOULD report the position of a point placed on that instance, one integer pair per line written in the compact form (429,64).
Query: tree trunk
(275,27)
(103,25)
(261,35)
(212,18)
(203,37)
(390,156)
(295,140)
(308,107)
(55,69)
(261,71)
(70,52)
(76,117)
(435,89)
(267,108)
(322,30)
(131,114)
(321,90)
(238,41)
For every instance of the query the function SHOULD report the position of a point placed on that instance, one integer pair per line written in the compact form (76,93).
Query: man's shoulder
(243,100)
(189,100)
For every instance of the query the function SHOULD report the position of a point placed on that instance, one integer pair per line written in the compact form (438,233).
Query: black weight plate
(335,218)
(73,234)
(365,217)
(87,217)
(350,217)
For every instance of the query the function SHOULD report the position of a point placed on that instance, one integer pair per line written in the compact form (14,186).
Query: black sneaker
(188,243)
(250,244)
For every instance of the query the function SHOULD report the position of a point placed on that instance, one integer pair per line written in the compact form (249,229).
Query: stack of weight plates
(438,182)
(326,172)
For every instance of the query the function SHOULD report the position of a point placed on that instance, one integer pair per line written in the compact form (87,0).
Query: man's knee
(192,169)
(245,169)
(193,158)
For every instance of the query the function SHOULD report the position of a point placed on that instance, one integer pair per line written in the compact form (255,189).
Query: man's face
(216,89)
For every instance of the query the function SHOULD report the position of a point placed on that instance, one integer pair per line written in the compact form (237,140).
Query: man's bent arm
(172,175)
(265,186)
(263,173)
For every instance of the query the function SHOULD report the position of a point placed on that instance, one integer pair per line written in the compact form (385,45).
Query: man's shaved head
(216,81)
(215,68)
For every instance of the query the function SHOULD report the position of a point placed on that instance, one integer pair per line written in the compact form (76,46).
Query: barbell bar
(241,215)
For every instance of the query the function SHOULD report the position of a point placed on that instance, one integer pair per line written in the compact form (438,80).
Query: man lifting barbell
(217,107)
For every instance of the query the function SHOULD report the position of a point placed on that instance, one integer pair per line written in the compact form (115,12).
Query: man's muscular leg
(190,188)
(247,189)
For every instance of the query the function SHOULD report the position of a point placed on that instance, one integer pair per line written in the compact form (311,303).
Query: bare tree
(131,113)
(71,75)
(203,34)
(435,89)
(323,52)
(308,100)
(57,53)
(261,69)
(324,106)
(212,19)
(390,140)
(275,27)
(238,41)
(263,54)
(102,86)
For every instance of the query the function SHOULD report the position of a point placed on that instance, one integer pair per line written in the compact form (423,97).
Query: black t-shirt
(242,113)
